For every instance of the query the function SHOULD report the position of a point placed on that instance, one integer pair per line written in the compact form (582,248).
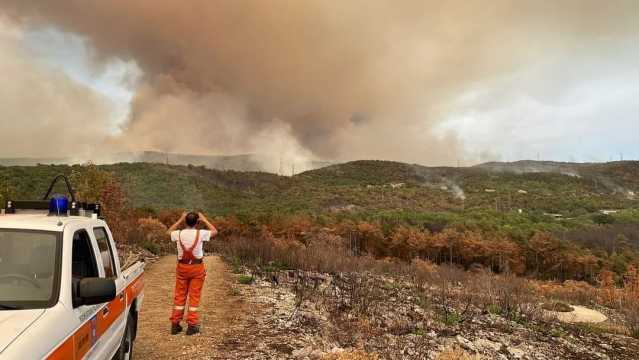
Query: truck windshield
(29,269)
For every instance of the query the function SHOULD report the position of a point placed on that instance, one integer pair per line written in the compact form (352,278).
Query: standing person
(190,272)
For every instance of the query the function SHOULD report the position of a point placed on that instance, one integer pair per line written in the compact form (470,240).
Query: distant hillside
(243,162)
(364,186)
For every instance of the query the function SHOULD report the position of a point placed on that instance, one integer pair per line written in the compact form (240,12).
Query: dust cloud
(334,80)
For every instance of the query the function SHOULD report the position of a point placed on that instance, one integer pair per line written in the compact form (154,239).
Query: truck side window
(83,260)
(105,251)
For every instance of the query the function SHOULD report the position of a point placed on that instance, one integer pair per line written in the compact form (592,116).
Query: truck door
(112,318)
(84,265)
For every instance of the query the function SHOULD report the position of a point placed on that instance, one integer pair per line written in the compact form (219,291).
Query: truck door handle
(105,311)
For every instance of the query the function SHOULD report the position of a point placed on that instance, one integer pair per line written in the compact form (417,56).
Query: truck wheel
(126,347)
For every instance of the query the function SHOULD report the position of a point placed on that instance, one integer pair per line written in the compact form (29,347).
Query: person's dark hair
(191,219)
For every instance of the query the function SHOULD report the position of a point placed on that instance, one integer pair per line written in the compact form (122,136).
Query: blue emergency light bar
(58,205)
(72,209)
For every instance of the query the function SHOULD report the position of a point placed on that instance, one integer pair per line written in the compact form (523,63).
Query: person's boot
(176,329)
(192,329)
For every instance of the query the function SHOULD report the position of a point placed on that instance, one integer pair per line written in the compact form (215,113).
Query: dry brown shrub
(422,271)
(250,251)
(322,252)
(354,355)
(508,295)
(573,292)
(630,300)
(152,231)
(358,293)
(453,301)
(608,293)
(293,227)
(229,226)
(630,310)
(326,253)
(456,353)
(169,216)
(513,292)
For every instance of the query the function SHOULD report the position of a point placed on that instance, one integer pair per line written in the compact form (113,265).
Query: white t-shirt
(187,236)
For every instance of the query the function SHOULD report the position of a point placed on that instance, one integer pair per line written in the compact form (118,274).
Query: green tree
(89,182)
(603,219)
(7,190)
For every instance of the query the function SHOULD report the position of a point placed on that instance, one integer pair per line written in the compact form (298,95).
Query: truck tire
(126,346)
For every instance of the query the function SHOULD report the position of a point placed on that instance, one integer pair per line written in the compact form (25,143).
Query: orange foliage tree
(116,212)
(543,246)
(630,305)
(608,290)
(372,239)
(407,243)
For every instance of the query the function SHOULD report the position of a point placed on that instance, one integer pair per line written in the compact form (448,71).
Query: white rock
(302,353)
(516,353)
(465,343)
(487,344)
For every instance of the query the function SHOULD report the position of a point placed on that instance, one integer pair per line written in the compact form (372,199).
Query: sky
(589,113)
(418,82)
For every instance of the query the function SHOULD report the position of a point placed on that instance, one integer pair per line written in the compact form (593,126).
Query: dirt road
(222,315)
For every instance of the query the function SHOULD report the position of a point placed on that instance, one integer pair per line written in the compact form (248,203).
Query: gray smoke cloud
(44,112)
(317,79)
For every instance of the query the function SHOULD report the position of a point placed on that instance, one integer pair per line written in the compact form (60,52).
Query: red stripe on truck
(110,312)
(135,288)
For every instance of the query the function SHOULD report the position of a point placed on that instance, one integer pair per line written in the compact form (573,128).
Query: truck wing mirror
(92,291)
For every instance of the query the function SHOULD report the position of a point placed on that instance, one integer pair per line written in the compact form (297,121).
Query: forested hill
(243,162)
(570,190)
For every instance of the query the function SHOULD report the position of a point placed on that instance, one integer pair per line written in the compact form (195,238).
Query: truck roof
(38,220)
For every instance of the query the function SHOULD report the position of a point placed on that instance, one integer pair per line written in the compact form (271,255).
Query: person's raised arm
(208,224)
(177,224)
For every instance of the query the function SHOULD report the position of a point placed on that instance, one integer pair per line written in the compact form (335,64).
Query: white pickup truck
(62,292)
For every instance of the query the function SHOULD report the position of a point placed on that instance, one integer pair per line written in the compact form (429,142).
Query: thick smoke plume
(44,112)
(326,79)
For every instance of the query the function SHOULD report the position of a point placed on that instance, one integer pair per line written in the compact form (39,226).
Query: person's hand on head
(206,222)
(180,222)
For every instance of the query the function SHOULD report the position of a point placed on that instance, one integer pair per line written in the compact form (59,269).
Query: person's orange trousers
(189,280)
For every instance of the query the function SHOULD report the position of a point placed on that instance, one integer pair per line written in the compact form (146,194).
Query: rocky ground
(330,317)
(301,315)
